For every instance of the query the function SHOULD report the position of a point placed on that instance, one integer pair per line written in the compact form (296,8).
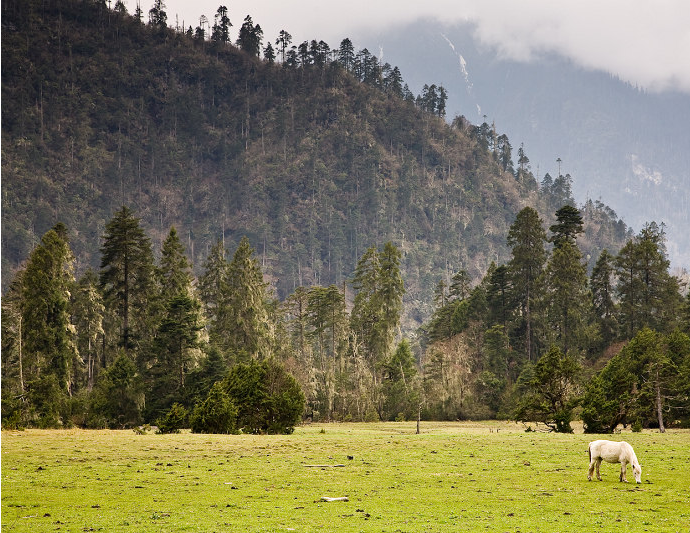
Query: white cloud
(644,42)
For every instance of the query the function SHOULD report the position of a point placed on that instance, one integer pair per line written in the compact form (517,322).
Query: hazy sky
(646,42)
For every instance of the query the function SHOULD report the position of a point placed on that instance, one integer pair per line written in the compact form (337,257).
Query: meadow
(488,476)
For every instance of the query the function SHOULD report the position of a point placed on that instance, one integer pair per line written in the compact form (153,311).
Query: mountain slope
(312,165)
(621,144)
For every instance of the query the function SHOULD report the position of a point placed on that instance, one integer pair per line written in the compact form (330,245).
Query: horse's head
(637,472)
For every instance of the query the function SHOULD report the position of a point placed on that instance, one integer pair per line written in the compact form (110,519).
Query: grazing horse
(613,452)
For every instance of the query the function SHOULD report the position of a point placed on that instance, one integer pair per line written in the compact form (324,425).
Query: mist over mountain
(626,146)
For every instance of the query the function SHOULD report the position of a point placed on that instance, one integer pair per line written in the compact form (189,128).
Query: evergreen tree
(127,277)
(378,302)
(346,54)
(244,330)
(400,384)
(649,295)
(215,414)
(567,227)
(174,273)
(526,238)
(499,291)
(48,335)
(88,311)
(602,289)
(213,288)
(118,397)
(268,399)
(269,54)
(221,26)
(505,154)
(158,18)
(566,285)
(177,336)
(250,36)
(283,42)
(551,394)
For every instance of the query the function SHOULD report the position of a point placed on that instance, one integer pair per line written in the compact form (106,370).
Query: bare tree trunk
(659,410)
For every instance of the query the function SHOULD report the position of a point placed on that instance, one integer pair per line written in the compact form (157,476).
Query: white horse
(613,452)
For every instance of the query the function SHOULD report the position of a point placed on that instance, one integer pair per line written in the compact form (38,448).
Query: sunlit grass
(454,476)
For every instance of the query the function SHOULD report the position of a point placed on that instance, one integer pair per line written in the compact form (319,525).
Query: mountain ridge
(312,164)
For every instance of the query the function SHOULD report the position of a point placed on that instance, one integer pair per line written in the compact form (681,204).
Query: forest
(536,340)
(192,227)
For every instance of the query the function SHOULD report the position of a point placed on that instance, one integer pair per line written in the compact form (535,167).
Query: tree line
(363,65)
(142,340)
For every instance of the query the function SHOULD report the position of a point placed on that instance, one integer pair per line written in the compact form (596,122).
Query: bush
(267,397)
(173,420)
(216,414)
(116,399)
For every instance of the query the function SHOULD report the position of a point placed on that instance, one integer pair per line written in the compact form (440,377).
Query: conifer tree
(551,394)
(250,36)
(526,239)
(602,289)
(174,274)
(568,225)
(283,42)
(127,277)
(649,295)
(244,330)
(221,27)
(378,303)
(177,335)
(566,283)
(88,311)
(213,288)
(46,287)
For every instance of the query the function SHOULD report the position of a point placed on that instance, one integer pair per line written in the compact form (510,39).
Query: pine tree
(400,384)
(567,227)
(249,38)
(566,284)
(221,26)
(602,289)
(173,351)
(377,307)
(213,288)
(526,238)
(551,394)
(174,274)
(244,330)
(126,277)
(649,295)
(88,311)
(46,327)
(283,42)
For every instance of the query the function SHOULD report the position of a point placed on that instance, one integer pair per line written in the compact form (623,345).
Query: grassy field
(488,476)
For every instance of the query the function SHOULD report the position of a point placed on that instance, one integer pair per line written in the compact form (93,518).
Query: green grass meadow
(488,476)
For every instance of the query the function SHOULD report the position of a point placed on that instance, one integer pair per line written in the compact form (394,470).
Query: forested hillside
(386,263)
(314,155)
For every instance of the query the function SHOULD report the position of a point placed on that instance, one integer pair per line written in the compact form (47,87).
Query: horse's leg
(623,468)
(592,462)
(598,465)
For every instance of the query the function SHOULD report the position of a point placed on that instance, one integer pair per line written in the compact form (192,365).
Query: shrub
(216,414)
(268,398)
(173,420)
